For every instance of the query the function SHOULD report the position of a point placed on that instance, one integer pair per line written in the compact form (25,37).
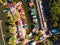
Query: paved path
(39,13)
(2,33)
(42,19)
(41,16)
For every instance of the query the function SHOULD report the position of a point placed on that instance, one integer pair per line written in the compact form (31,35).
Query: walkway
(42,20)
(2,33)
(39,13)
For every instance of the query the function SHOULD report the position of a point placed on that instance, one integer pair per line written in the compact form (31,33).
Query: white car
(12,10)
(34,43)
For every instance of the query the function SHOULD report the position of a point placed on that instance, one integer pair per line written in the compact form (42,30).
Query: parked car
(55,31)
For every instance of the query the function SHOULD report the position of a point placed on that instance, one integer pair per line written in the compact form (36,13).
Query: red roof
(20,9)
(10,5)
(20,37)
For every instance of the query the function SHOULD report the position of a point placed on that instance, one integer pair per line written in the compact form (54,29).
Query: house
(10,5)
(22,14)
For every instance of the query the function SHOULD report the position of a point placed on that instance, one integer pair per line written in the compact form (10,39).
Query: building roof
(10,5)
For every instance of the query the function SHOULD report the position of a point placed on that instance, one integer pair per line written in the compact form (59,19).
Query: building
(22,14)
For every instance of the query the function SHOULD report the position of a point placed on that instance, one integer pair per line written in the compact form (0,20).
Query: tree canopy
(53,12)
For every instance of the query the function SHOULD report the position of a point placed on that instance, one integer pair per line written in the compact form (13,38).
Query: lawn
(1,41)
(2,17)
(4,27)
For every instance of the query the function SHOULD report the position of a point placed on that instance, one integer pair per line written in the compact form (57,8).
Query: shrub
(11,41)
(36,38)
(11,30)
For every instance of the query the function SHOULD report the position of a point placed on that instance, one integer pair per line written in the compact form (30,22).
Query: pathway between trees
(2,33)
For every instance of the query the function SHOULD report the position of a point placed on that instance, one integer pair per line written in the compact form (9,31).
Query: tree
(53,16)
(11,30)
(53,11)
(48,42)
(11,21)
(11,41)
(1,1)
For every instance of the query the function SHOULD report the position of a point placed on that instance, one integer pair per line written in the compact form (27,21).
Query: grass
(0,1)
(3,17)
(1,41)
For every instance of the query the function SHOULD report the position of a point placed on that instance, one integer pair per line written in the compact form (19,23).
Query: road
(2,33)
(41,16)
(39,13)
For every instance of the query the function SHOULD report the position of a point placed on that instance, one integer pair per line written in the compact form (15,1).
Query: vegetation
(1,1)
(36,38)
(48,42)
(11,41)
(4,27)
(53,12)
(1,41)
(8,18)
(11,30)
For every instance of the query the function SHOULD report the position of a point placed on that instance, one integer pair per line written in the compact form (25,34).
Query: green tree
(53,11)
(11,21)
(11,41)
(11,30)
(1,1)
(53,16)
(48,42)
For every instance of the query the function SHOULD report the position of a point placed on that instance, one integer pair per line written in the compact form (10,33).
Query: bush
(1,1)
(7,24)
(11,41)
(7,39)
(11,30)
(36,38)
